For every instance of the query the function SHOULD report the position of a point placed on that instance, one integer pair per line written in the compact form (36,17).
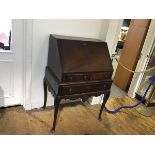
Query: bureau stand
(77,68)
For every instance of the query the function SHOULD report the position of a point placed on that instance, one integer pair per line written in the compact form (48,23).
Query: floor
(77,119)
(116,92)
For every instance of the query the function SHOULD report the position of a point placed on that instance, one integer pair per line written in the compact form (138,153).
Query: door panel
(148,47)
(131,52)
(11,67)
(6,78)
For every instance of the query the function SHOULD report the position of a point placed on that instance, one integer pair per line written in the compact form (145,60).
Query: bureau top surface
(83,55)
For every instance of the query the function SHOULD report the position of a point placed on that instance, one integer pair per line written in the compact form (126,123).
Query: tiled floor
(117,92)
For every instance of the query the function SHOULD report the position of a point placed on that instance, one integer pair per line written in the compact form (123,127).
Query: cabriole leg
(45,93)
(56,108)
(106,96)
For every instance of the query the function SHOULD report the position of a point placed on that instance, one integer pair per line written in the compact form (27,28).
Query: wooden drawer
(76,77)
(87,77)
(100,76)
(83,88)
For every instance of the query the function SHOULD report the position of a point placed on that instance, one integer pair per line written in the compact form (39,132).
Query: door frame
(116,25)
(144,59)
(27,62)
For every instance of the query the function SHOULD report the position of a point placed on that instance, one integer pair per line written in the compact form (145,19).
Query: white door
(11,68)
(144,59)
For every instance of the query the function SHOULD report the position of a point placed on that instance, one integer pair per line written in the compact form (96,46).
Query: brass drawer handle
(70,78)
(88,87)
(84,44)
(106,76)
(70,90)
(85,77)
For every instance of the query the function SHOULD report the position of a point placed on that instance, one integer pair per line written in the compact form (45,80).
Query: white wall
(113,34)
(104,29)
(41,29)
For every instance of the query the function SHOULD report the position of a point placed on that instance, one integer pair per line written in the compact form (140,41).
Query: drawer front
(101,76)
(87,77)
(76,77)
(83,88)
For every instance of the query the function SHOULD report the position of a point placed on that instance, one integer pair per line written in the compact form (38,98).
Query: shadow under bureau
(77,68)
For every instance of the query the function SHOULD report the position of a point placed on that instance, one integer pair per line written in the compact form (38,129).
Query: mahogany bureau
(77,68)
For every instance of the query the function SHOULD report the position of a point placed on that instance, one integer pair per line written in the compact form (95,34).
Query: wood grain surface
(77,119)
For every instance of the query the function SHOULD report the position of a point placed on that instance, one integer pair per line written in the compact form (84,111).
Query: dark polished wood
(77,68)
(45,93)
(56,108)
(106,96)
